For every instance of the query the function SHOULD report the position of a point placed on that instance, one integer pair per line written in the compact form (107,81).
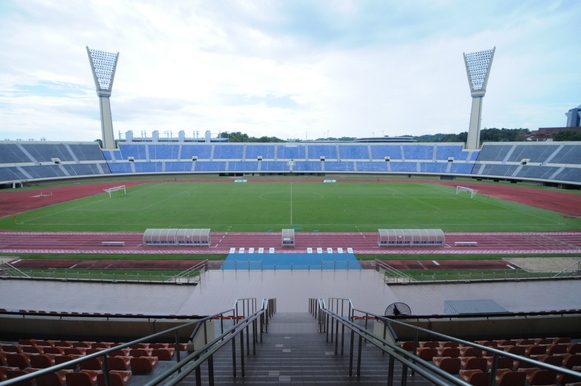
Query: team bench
(113,243)
(466,243)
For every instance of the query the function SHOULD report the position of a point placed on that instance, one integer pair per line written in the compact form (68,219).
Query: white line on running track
(435,262)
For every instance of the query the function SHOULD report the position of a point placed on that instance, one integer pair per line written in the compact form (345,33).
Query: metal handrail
(496,353)
(426,369)
(104,353)
(205,354)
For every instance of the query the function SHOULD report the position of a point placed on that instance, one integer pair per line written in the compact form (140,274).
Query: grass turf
(306,206)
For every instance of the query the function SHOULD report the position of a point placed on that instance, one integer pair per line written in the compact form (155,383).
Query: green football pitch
(305,206)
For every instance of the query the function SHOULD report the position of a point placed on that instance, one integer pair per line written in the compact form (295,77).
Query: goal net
(116,189)
(460,189)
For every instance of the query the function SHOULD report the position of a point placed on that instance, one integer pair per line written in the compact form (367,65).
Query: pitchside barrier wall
(177,237)
(550,162)
(411,238)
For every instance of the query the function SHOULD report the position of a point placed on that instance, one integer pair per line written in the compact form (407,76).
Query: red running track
(223,243)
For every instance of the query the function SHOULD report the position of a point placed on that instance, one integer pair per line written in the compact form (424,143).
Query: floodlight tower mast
(477,68)
(103,65)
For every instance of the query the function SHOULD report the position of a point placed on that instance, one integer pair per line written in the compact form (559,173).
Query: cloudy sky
(285,68)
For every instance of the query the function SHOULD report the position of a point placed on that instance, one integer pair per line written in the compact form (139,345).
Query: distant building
(385,139)
(574,117)
(548,133)
(181,137)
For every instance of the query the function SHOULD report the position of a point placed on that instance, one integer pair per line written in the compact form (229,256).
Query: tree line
(486,135)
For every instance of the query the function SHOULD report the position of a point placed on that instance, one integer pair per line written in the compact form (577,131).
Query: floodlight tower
(103,65)
(478,68)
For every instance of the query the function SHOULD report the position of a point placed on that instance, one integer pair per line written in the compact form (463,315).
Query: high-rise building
(574,117)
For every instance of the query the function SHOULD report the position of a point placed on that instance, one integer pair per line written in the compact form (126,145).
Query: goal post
(116,189)
(460,189)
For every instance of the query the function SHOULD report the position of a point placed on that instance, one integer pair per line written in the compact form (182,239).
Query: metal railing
(391,274)
(337,327)
(7,269)
(330,321)
(260,265)
(572,270)
(250,325)
(190,273)
(190,276)
(248,329)
(395,276)
(103,354)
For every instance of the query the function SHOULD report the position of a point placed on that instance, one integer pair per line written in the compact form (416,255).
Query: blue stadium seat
(353,151)
(228,151)
(202,151)
(266,151)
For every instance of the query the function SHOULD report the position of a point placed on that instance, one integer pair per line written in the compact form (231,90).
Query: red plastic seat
(555,360)
(102,345)
(448,352)
(42,361)
(169,345)
(475,377)
(66,358)
(449,365)
(43,343)
(61,343)
(517,350)
(503,362)
(141,352)
(92,364)
(506,377)
(116,377)
(430,344)
(143,365)
(75,350)
(120,352)
(427,353)
(54,350)
(10,348)
(32,349)
(574,348)
(470,352)
(471,363)
(536,376)
(83,378)
(119,363)
(407,345)
(535,349)
(83,344)
(449,344)
(139,345)
(164,354)
(58,378)
(559,348)
(571,361)
(10,374)
(19,360)
(4,370)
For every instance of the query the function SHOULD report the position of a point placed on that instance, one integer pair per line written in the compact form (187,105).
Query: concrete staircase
(294,352)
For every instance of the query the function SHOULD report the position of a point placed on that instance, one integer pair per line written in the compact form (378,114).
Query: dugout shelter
(288,237)
(411,238)
(177,237)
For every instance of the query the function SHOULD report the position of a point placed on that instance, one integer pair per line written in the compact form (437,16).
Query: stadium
(299,262)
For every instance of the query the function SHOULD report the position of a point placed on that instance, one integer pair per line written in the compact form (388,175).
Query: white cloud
(316,68)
